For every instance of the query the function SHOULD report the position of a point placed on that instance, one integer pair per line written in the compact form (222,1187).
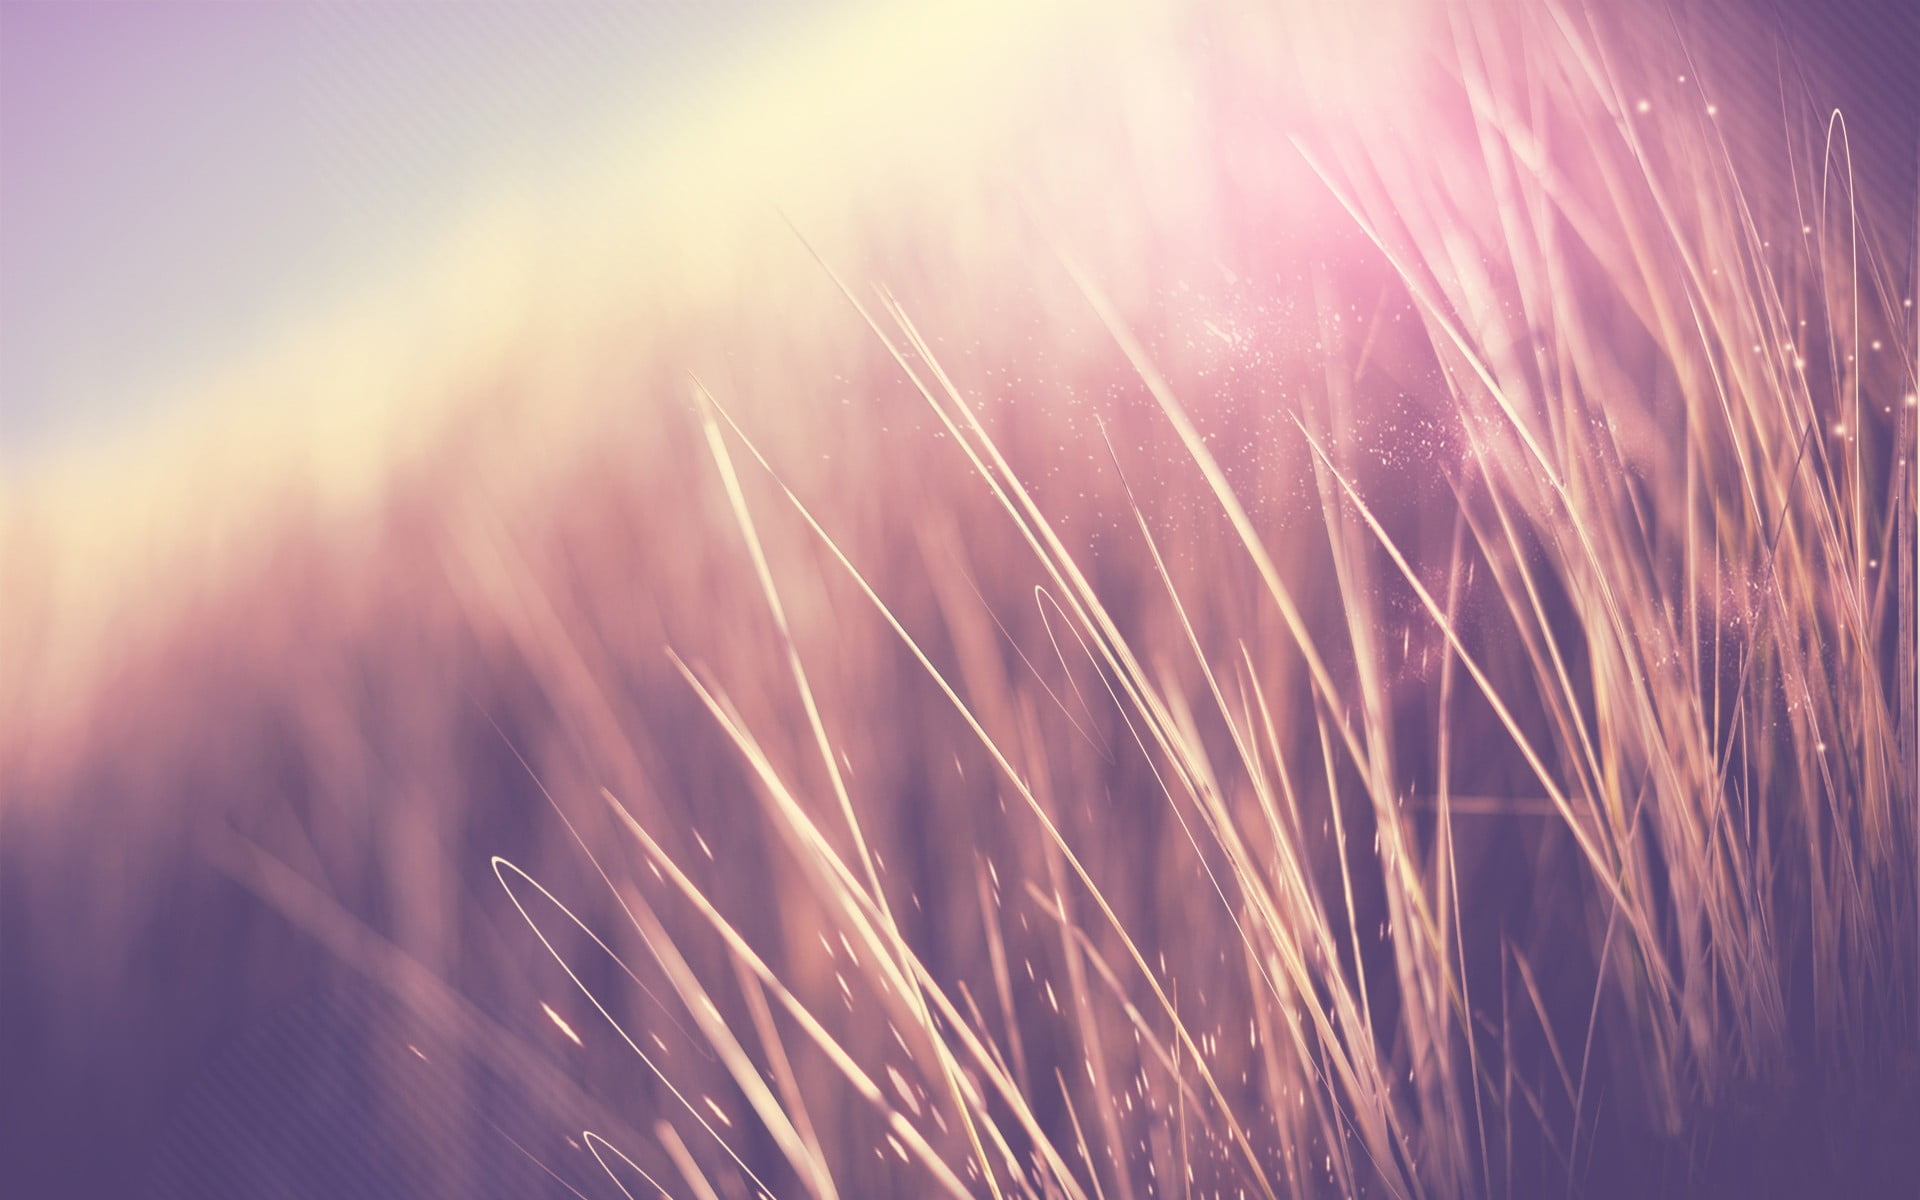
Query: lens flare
(1016,600)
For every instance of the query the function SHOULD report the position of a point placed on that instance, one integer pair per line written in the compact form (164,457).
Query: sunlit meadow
(1272,600)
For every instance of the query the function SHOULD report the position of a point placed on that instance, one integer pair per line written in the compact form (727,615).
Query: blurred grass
(1314,633)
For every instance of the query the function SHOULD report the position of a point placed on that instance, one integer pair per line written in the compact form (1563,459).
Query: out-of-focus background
(353,479)
(188,183)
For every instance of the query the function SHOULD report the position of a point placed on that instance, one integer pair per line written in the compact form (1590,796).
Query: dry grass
(1384,668)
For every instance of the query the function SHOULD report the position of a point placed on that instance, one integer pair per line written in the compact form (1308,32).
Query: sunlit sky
(180,181)
(184,182)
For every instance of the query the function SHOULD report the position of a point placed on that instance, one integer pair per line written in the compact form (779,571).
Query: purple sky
(182,181)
